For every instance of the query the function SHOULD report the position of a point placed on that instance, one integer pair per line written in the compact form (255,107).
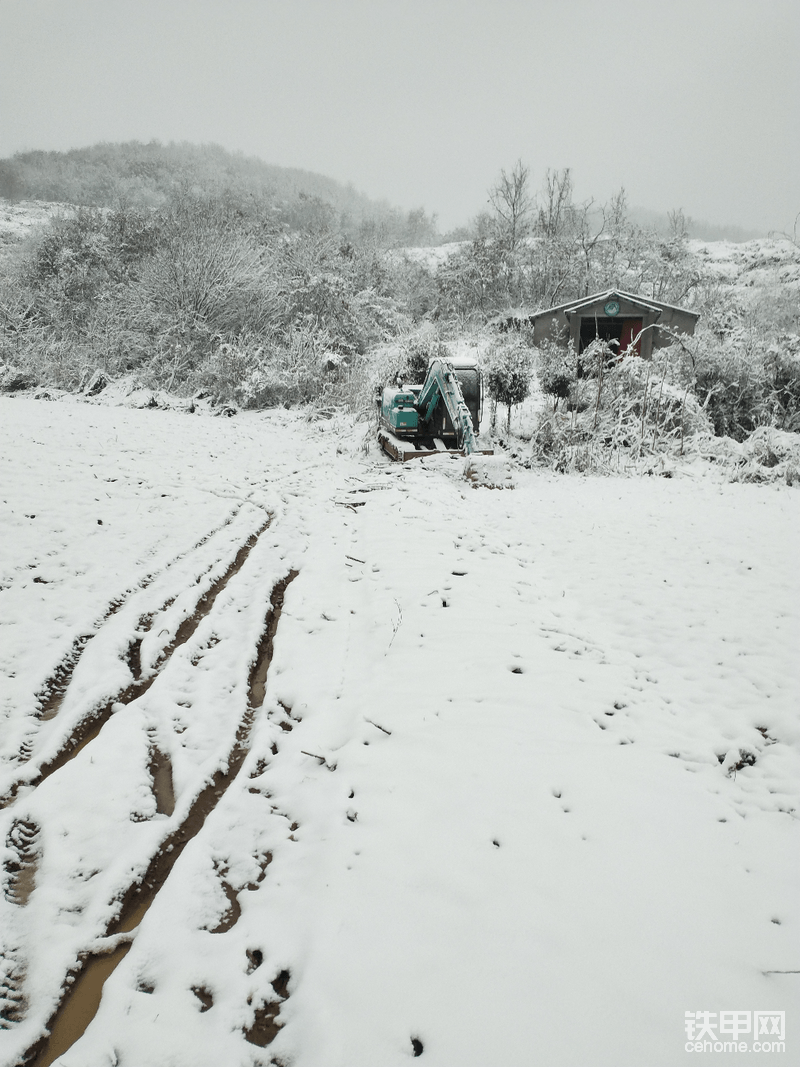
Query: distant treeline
(145,176)
(195,271)
(148,175)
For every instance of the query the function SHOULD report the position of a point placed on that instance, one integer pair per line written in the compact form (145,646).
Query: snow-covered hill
(768,262)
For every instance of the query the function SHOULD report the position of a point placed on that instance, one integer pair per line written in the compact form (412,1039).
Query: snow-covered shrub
(404,359)
(258,372)
(414,286)
(778,307)
(782,381)
(633,408)
(207,270)
(767,455)
(190,290)
(227,368)
(341,290)
(80,260)
(421,347)
(556,368)
(770,455)
(60,362)
(14,379)
(728,380)
(507,368)
(771,447)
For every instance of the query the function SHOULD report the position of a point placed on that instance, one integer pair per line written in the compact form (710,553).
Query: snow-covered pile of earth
(321,760)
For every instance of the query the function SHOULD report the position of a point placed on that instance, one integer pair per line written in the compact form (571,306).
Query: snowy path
(522,786)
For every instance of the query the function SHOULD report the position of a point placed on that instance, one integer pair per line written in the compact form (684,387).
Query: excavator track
(402,451)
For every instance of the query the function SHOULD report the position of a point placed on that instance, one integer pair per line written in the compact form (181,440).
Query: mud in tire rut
(82,989)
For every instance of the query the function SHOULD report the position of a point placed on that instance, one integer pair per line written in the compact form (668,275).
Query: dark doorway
(621,330)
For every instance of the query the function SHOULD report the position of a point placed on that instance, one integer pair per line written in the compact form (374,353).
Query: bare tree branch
(512,203)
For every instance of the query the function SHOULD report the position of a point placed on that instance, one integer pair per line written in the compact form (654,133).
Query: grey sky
(687,103)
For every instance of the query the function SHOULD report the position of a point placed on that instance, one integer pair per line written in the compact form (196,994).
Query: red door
(631,328)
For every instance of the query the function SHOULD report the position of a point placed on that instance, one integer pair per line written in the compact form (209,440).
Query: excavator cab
(399,410)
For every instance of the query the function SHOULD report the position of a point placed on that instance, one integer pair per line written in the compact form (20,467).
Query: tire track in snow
(53,691)
(23,837)
(23,844)
(82,989)
(90,725)
(12,980)
(160,768)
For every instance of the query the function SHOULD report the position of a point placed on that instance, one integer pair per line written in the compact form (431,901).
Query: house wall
(564,326)
(672,319)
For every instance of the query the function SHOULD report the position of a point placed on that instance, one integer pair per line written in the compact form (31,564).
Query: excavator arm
(442,383)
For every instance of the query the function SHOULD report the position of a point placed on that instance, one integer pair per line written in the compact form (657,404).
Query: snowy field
(330,762)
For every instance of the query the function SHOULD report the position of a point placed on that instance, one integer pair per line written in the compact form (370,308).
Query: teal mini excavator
(442,415)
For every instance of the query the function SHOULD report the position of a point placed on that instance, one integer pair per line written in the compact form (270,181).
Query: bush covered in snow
(507,367)
(556,369)
(192,295)
(747,380)
(627,410)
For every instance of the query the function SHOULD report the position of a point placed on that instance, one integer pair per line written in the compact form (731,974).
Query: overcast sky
(687,103)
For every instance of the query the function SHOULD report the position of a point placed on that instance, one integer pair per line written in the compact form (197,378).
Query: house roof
(586,301)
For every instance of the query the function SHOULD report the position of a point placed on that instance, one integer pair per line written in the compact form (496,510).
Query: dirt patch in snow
(266,1024)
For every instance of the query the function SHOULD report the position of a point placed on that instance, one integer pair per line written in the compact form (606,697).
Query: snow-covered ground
(19,218)
(765,263)
(522,788)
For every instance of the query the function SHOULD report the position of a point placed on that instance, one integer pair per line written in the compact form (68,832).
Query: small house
(622,319)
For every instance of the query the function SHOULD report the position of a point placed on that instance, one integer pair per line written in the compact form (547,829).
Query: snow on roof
(598,298)
(595,298)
